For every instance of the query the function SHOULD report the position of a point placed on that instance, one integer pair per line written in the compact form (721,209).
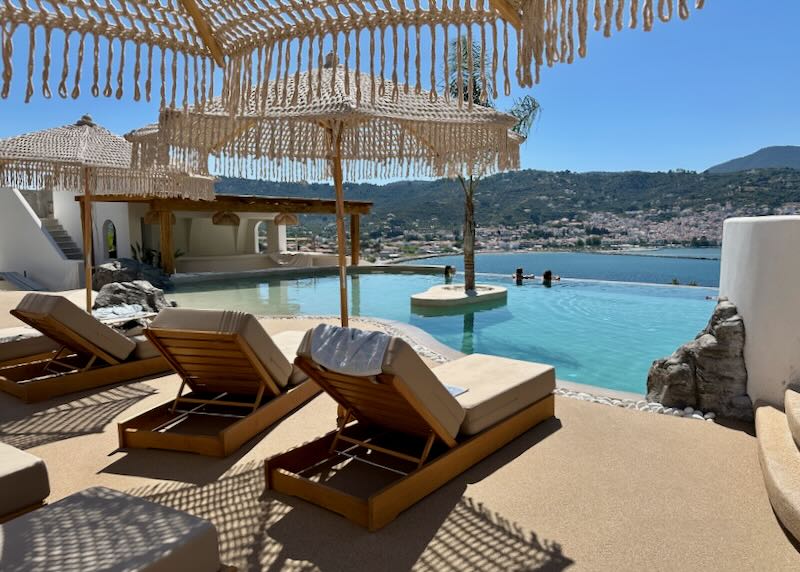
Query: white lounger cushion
(144,348)
(75,319)
(23,481)
(496,387)
(287,343)
(22,342)
(101,529)
(401,360)
(230,322)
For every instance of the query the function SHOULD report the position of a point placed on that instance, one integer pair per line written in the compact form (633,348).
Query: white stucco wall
(760,273)
(118,214)
(27,249)
(208,239)
(68,212)
(276,237)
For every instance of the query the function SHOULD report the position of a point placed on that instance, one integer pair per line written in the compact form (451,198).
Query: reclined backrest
(61,320)
(406,397)
(220,350)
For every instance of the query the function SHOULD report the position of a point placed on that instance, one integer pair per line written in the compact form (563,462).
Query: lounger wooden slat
(225,374)
(407,415)
(62,334)
(91,354)
(206,353)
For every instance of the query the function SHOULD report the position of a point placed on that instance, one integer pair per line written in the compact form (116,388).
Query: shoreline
(607,252)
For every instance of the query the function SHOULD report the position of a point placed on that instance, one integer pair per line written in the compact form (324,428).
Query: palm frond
(526,110)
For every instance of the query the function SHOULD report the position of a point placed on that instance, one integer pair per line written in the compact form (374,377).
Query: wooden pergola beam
(240,203)
(355,239)
(507,12)
(167,248)
(205,31)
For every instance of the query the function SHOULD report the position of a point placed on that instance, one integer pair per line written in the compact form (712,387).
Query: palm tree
(468,79)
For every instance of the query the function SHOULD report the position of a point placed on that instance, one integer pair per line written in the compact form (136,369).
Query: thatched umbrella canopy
(86,157)
(312,127)
(182,42)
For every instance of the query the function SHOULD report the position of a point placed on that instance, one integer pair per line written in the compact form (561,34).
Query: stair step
(780,465)
(791,405)
(62,239)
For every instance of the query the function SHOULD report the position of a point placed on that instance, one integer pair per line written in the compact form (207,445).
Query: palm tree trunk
(469,234)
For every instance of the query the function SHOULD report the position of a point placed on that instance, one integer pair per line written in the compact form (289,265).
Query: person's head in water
(547,276)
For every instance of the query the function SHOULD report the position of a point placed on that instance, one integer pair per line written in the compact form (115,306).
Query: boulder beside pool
(707,373)
(135,293)
(454,295)
(128,270)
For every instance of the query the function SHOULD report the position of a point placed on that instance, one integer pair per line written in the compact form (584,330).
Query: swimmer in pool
(547,278)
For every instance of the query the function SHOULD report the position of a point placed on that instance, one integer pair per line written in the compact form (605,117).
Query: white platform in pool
(449,295)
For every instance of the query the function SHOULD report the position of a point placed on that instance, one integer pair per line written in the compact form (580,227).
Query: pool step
(780,465)
(791,405)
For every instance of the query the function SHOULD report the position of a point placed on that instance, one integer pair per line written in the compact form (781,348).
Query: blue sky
(689,94)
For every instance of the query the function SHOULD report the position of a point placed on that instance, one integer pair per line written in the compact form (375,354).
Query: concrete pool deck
(596,488)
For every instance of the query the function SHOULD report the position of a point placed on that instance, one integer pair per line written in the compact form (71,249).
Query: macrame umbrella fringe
(269,46)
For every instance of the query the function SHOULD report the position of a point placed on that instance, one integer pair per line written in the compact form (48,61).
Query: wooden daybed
(89,353)
(408,430)
(241,381)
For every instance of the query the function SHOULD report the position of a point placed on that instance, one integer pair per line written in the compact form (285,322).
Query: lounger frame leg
(30,383)
(53,360)
(285,473)
(150,429)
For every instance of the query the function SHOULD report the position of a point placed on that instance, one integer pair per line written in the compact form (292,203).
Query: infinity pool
(598,333)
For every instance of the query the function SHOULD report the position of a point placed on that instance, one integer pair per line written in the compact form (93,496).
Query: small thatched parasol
(182,42)
(87,157)
(396,131)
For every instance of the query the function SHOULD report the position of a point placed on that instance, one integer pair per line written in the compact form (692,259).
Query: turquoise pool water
(597,333)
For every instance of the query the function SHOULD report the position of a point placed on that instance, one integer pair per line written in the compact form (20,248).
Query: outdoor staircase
(779,452)
(62,239)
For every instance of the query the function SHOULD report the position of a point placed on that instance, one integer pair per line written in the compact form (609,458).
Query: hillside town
(387,240)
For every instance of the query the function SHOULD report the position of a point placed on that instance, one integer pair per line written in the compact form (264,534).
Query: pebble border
(637,405)
(640,405)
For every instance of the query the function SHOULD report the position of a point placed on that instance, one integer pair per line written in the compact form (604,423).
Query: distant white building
(40,232)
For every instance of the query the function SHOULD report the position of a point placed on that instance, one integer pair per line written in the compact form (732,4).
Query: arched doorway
(261,237)
(110,239)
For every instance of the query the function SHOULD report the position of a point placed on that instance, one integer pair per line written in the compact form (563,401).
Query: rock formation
(709,372)
(136,292)
(128,270)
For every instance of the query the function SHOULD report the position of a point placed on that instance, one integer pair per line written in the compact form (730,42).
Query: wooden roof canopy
(241,203)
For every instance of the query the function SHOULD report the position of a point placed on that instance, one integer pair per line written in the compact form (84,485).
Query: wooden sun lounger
(89,353)
(408,426)
(240,383)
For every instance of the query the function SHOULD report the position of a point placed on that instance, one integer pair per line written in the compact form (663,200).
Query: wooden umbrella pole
(87,235)
(336,167)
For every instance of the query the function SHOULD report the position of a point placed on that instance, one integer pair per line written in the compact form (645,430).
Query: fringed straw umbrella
(89,158)
(175,46)
(316,129)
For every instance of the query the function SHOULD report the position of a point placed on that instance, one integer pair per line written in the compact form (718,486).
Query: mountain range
(539,196)
(786,156)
